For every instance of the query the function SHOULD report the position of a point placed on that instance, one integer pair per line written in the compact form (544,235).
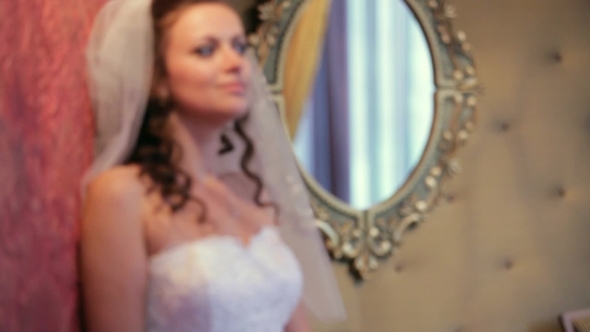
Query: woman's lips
(236,87)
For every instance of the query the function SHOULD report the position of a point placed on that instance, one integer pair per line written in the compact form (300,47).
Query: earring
(226,144)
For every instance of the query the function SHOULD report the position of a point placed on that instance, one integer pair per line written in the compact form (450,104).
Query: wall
(509,250)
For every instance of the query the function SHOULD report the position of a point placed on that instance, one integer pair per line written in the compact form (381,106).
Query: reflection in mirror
(369,115)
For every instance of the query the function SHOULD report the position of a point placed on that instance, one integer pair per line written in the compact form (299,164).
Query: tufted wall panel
(508,250)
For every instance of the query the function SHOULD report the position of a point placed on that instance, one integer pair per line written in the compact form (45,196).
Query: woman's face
(206,70)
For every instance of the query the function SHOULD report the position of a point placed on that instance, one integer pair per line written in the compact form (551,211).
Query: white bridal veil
(120,60)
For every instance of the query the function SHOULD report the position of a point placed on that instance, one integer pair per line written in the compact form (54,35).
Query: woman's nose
(233,61)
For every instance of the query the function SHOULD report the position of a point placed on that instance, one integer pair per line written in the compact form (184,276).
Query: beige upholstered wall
(510,248)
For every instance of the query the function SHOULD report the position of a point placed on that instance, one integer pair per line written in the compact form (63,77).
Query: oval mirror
(377,96)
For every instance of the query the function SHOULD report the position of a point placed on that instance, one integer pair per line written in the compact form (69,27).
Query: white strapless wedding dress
(217,284)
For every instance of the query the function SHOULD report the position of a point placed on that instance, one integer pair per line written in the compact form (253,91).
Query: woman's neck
(200,142)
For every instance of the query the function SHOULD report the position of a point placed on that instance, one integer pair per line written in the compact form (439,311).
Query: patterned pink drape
(45,144)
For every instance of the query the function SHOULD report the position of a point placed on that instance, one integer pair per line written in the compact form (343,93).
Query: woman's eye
(205,50)
(240,47)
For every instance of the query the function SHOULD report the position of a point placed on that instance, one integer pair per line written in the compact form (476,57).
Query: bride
(195,218)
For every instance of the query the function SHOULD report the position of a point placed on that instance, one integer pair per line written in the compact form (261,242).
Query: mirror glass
(369,115)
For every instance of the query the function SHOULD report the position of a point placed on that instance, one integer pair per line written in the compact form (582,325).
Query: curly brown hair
(156,152)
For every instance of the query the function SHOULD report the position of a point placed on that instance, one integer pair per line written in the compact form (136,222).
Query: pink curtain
(45,144)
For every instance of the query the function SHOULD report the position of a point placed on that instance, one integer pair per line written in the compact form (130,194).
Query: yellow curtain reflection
(303,55)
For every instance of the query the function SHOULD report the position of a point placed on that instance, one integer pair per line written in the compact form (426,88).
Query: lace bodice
(217,284)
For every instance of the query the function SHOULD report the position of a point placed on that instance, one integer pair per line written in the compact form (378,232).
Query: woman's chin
(235,110)
(218,115)
(224,115)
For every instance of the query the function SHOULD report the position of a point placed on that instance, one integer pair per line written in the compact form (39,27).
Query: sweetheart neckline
(212,238)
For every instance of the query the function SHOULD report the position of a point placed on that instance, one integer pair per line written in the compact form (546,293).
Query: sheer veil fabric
(120,61)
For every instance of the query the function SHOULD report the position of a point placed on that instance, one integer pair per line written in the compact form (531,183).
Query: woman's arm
(113,254)
(298,322)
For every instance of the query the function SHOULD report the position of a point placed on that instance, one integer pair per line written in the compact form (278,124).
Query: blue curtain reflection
(370,113)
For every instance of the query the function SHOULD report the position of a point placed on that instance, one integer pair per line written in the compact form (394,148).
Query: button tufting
(504,126)
(508,264)
(451,198)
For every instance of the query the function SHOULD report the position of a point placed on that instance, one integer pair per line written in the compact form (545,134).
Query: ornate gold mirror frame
(364,237)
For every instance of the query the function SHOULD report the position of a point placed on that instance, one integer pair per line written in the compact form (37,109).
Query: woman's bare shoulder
(117,187)
(119,181)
